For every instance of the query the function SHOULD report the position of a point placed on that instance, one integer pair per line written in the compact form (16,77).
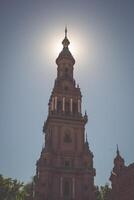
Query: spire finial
(118,152)
(65,42)
(66,31)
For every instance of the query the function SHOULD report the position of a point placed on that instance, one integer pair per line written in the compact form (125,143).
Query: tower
(119,163)
(65,167)
(122,179)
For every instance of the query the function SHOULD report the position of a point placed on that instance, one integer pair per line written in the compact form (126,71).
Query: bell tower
(65,167)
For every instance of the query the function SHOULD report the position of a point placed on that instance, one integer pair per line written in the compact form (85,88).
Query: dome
(65,53)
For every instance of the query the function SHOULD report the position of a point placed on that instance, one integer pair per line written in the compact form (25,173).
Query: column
(71,105)
(52,104)
(63,104)
(55,103)
(61,189)
(73,188)
(79,106)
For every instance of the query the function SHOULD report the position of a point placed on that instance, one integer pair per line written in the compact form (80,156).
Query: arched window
(45,161)
(67,107)
(66,88)
(59,106)
(66,190)
(75,108)
(67,138)
(67,163)
(66,70)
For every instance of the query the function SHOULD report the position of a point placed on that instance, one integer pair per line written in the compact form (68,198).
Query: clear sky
(102,32)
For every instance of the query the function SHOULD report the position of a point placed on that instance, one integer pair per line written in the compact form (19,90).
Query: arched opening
(66,191)
(67,138)
(67,108)
(59,106)
(66,72)
(75,108)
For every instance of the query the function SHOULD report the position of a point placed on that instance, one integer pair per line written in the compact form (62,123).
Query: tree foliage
(103,193)
(11,189)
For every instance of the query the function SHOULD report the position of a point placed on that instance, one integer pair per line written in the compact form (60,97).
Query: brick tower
(65,167)
(122,179)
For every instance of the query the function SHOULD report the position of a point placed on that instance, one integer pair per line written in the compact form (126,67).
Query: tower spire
(65,42)
(118,152)
(65,31)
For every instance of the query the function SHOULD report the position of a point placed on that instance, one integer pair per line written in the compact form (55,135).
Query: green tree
(98,194)
(11,189)
(28,188)
(103,193)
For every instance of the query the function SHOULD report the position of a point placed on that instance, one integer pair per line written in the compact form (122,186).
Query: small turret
(118,161)
(86,144)
(119,164)
(85,117)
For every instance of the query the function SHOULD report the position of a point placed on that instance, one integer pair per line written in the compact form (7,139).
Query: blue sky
(104,70)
